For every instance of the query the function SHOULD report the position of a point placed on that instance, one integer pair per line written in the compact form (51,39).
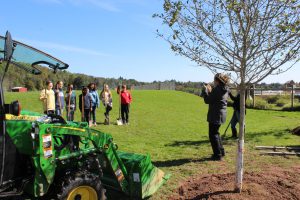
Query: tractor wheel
(81,186)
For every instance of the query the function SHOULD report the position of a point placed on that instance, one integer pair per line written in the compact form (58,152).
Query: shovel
(224,135)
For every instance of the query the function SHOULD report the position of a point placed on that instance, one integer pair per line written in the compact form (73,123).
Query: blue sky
(105,38)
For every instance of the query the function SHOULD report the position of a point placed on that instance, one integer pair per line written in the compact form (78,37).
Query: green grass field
(171,126)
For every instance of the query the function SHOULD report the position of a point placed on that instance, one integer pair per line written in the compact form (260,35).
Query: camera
(203,90)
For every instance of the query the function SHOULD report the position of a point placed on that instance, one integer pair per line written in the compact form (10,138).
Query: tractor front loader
(44,155)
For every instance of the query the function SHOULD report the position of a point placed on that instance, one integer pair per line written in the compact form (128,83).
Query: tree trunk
(240,146)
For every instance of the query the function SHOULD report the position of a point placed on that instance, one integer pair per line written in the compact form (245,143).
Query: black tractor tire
(80,179)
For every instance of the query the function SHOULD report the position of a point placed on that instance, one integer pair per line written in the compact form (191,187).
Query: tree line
(16,77)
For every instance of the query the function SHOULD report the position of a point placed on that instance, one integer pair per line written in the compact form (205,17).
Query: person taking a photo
(216,98)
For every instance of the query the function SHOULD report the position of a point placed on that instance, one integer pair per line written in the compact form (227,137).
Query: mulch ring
(273,183)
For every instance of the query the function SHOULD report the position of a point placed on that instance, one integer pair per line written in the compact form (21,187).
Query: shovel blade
(119,122)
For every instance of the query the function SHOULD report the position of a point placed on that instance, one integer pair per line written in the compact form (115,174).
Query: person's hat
(222,77)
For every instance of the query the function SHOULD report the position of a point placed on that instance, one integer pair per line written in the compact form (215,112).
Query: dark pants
(107,110)
(125,112)
(70,115)
(93,114)
(234,120)
(215,140)
(58,111)
(86,115)
(49,112)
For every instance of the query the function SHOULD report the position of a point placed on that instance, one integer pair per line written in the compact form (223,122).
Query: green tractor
(44,156)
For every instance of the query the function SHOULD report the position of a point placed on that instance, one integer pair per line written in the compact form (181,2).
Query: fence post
(253,98)
(292,96)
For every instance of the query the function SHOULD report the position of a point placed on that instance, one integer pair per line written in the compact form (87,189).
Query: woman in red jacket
(125,102)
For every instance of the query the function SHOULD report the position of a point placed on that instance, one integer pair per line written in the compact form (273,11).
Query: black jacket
(236,101)
(217,100)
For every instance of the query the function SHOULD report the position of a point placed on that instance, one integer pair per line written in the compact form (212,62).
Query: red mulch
(272,183)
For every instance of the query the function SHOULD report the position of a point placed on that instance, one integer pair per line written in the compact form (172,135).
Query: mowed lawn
(171,126)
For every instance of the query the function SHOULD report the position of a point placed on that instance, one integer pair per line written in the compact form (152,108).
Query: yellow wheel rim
(83,193)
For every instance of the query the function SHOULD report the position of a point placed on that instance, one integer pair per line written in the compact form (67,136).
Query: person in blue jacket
(95,102)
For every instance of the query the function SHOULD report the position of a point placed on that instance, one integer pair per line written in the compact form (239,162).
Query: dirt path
(273,183)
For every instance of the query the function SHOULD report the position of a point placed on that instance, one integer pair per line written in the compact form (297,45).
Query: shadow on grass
(187,143)
(178,162)
(226,140)
(278,134)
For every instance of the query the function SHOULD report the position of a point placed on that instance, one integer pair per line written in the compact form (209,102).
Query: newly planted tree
(250,39)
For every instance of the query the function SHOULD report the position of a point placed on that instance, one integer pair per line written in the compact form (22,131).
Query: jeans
(93,114)
(215,140)
(58,111)
(107,110)
(70,116)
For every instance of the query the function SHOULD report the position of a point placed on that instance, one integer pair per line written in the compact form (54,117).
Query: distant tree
(29,84)
(78,82)
(251,39)
(39,84)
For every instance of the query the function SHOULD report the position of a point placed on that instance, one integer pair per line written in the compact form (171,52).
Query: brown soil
(273,183)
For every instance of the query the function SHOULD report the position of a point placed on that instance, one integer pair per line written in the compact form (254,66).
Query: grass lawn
(171,126)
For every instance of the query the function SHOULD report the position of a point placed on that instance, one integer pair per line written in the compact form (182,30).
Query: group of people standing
(55,101)
(216,97)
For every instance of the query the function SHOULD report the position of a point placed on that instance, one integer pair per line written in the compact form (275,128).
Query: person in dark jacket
(216,98)
(70,102)
(85,105)
(59,98)
(236,113)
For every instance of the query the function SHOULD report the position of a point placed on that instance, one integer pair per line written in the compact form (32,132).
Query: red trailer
(19,89)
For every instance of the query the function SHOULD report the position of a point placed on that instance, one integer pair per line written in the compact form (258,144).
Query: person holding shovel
(48,98)
(59,98)
(236,113)
(106,98)
(70,102)
(85,105)
(125,104)
(216,98)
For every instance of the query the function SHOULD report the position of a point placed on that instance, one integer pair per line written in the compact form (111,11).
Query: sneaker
(95,123)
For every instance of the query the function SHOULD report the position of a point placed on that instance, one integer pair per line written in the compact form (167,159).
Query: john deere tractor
(44,155)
